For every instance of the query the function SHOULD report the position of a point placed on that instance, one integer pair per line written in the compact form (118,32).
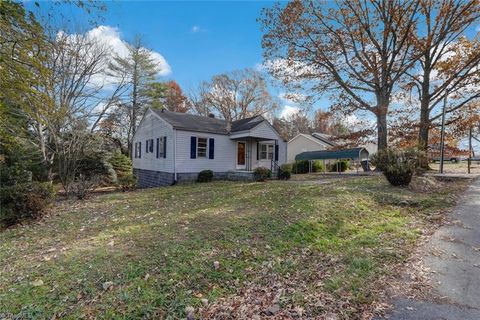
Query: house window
(138,149)
(202,147)
(149,146)
(266,151)
(161,147)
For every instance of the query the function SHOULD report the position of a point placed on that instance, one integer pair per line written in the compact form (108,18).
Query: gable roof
(247,123)
(326,138)
(318,138)
(193,122)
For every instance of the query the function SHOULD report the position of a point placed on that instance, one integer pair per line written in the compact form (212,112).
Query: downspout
(174,156)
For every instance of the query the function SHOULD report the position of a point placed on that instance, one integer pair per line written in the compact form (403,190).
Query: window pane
(270,152)
(202,147)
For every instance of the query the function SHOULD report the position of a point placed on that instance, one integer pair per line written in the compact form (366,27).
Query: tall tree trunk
(424,128)
(424,109)
(382,130)
(381,112)
(133,123)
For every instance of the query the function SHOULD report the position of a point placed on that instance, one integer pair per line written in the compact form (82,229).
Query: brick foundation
(150,179)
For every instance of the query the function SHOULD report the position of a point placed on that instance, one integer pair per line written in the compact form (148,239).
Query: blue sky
(197,39)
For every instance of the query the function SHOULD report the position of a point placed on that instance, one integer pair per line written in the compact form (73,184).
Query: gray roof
(324,138)
(193,122)
(354,153)
(246,124)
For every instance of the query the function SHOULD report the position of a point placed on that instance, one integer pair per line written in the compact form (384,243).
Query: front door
(241,146)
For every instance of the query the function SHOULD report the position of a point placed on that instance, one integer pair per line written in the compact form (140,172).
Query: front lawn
(284,249)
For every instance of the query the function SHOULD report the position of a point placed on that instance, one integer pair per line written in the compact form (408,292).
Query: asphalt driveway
(453,256)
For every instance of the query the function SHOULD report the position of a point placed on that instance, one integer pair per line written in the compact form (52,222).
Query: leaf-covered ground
(283,249)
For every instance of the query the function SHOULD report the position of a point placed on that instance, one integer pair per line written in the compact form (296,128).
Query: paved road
(456,270)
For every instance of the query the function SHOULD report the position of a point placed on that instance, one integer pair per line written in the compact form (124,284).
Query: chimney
(229,126)
(211,115)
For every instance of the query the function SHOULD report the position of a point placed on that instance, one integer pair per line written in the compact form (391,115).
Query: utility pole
(469,149)
(442,135)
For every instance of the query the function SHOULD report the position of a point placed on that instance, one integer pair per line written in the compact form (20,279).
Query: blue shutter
(158,142)
(151,146)
(211,148)
(193,147)
(164,147)
(258,150)
(276,152)
(139,149)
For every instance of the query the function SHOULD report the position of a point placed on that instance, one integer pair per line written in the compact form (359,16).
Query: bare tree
(292,125)
(70,94)
(355,50)
(235,95)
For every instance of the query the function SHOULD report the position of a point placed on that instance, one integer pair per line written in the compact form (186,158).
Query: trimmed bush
(205,176)
(261,174)
(24,201)
(339,166)
(285,172)
(398,166)
(317,166)
(302,166)
(127,182)
(121,164)
(299,167)
(400,174)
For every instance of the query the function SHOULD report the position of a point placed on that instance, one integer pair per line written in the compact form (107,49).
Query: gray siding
(152,127)
(301,144)
(152,171)
(224,155)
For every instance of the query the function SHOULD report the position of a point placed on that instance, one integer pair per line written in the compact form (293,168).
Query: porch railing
(275,168)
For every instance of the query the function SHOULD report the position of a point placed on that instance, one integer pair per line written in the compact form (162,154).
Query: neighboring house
(306,142)
(171,147)
(317,142)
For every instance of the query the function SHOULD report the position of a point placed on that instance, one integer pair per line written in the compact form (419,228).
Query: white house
(171,147)
(317,142)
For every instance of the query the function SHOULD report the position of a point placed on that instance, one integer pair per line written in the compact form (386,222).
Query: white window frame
(268,155)
(206,147)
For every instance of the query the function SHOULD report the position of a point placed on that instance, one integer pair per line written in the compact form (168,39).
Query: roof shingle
(192,122)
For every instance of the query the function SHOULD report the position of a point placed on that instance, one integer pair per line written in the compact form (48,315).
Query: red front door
(241,155)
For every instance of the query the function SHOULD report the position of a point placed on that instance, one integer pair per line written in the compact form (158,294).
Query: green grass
(158,247)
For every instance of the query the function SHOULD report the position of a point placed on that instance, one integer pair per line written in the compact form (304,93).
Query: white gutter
(175,155)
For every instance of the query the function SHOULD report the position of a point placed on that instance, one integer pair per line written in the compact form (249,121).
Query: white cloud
(292,98)
(196,29)
(111,37)
(351,120)
(478,28)
(288,111)
(288,70)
